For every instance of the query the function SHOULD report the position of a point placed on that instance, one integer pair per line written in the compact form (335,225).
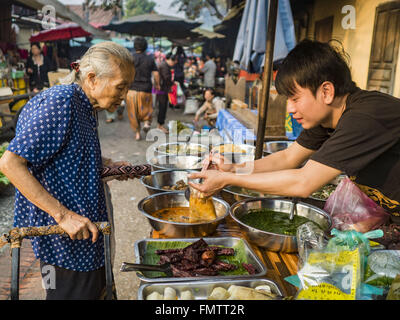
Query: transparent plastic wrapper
(382,268)
(331,276)
(309,237)
(351,209)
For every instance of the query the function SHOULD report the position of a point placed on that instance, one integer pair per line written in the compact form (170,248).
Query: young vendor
(346,129)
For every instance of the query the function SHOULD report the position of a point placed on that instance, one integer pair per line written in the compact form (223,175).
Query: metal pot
(274,241)
(275,146)
(318,202)
(230,195)
(237,157)
(171,229)
(185,149)
(155,182)
(167,162)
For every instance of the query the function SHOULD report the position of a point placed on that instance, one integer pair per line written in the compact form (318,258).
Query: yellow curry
(199,210)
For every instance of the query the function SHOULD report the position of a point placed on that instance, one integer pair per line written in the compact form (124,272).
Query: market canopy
(63,31)
(251,40)
(154,25)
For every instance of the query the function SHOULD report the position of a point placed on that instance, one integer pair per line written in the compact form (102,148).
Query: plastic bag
(191,106)
(331,276)
(172,95)
(351,209)
(382,267)
(309,237)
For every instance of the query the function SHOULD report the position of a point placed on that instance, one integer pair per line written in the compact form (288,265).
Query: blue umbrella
(251,39)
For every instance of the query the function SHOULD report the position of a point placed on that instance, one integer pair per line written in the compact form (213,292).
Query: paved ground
(117,142)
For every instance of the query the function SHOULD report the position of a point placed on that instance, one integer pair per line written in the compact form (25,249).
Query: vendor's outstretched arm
(291,182)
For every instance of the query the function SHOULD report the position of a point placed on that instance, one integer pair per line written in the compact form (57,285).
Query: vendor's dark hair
(140,44)
(310,64)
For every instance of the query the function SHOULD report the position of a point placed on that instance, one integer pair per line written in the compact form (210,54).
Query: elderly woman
(55,163)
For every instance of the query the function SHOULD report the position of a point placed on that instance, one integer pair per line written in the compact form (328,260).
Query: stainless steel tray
(140,251)
(203,288)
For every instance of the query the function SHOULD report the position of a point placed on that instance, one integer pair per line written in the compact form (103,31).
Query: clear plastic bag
(351,209)
(309,237)
(331,276)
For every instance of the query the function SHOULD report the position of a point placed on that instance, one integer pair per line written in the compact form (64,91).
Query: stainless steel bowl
(249,149)
(171,229)
(165,162)
(185,149)
(275,146)
(274,241)
(230,195)
(318,202)
(155,182)
(237,157)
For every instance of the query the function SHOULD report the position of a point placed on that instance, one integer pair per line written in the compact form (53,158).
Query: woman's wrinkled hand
(213,181)
(78,227)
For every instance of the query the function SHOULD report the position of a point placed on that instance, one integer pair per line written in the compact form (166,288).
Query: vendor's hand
(219,162)
(213,181)
(158,88)
(78,227)
(30,70)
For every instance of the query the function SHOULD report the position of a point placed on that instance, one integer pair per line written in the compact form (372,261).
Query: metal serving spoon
(166,268)
(293,208)
(206,164)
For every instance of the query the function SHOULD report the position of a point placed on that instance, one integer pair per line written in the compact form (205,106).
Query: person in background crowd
(179,75)
(210,108)
(166,83)
(221,68)
(37,67)
(139,100)
(57,172)
(159,57)
(209,70)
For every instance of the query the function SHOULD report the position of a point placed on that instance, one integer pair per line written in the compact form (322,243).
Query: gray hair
(101,59)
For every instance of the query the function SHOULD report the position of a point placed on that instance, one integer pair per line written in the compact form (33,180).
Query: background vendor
(210,108)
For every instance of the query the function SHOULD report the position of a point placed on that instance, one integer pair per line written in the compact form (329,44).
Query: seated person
(210,108)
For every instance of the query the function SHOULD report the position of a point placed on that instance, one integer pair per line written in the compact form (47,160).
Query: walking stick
(16,235)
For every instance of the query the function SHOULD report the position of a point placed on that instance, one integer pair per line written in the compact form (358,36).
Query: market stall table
(279,265)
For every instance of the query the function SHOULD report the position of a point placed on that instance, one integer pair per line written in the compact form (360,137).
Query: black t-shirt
(144,66)
(365,145)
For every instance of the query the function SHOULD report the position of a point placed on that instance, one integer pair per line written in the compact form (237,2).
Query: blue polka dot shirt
(57,134)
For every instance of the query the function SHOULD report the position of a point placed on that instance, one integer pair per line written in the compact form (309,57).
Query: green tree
(192,8)
(138,7)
